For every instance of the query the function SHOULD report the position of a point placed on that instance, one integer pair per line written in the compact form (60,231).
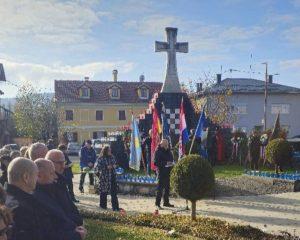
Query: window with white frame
(85,92)
(115,92)
(239,109)
(280,108)
(144,93)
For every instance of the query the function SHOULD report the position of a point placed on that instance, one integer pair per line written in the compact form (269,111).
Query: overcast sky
(45,40)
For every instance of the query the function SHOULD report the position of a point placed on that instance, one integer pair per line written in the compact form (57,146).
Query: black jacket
(68,171)
(64,225)
(31,220)
(162,156)
(63,198)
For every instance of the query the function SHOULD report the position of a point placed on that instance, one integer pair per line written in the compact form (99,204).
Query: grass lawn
(103,230)
(228,171)
(221,171)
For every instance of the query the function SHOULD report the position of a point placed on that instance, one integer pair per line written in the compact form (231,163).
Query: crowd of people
(37,200)
(36,197)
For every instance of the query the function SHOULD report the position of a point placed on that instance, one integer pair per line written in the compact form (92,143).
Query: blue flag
(201,124)
(135,146)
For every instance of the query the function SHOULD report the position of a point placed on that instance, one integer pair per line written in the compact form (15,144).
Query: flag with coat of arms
(135,146)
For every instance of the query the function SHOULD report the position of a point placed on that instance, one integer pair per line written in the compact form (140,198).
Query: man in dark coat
(212,146)
(87,161)
(45,195)
(163,161)
(60,190)
(27,213)
(68,173)
(31,219)
(146,146)
(254,150)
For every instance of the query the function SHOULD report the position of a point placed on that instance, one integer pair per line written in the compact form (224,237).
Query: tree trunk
(193,210)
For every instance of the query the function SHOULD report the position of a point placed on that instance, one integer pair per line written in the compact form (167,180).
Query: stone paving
(272,213)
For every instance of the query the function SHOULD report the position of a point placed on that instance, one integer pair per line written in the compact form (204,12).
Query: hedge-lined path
(272,213)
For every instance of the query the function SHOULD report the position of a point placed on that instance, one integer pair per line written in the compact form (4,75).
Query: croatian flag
(184,135)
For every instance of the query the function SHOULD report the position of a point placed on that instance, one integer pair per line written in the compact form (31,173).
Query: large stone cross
(171,84)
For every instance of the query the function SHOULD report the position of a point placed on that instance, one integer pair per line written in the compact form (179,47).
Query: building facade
(90,109)
(247,104)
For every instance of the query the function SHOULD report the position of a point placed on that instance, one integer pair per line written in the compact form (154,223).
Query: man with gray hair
(22,177)
(65,227)
(37,150)
(60,190)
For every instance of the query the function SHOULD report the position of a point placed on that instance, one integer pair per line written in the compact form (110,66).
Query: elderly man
(23,150)
(66,228)
(163,161)
(37,150)
(60,187)
(29,216)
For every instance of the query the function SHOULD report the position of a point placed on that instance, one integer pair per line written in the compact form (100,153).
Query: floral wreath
(264,139)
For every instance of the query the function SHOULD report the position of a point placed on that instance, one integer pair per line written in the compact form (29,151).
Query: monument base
(144,189)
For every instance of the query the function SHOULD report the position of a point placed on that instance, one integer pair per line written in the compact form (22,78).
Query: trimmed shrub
(279,152)
(192,178)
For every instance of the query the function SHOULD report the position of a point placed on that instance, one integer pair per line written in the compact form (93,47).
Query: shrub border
(203,227)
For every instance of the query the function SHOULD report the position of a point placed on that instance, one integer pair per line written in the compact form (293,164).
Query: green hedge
(279,151)
(203,227)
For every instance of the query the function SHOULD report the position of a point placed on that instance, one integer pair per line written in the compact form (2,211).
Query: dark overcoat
(63,198)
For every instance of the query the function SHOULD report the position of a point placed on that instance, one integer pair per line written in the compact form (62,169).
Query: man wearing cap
(87,161)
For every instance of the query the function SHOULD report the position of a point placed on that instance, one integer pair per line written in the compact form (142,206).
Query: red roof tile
(68,91)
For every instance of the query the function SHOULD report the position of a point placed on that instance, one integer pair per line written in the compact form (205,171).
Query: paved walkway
(271,213)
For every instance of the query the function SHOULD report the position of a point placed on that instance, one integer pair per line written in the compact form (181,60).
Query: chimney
(270,78)
(219,78)
(115,75)
(86,78)
(199,87)
(142,78)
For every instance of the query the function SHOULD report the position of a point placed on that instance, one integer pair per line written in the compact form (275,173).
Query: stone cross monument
(171,84)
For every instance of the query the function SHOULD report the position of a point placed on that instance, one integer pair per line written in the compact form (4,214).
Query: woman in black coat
(106,171)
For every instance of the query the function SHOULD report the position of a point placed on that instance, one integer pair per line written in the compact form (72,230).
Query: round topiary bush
(278,152)
(192,178)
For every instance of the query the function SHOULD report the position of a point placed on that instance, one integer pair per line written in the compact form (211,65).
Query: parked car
(73,148)
(99,143)
(13,146)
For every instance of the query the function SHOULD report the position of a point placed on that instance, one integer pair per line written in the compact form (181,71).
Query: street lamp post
(266,96)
